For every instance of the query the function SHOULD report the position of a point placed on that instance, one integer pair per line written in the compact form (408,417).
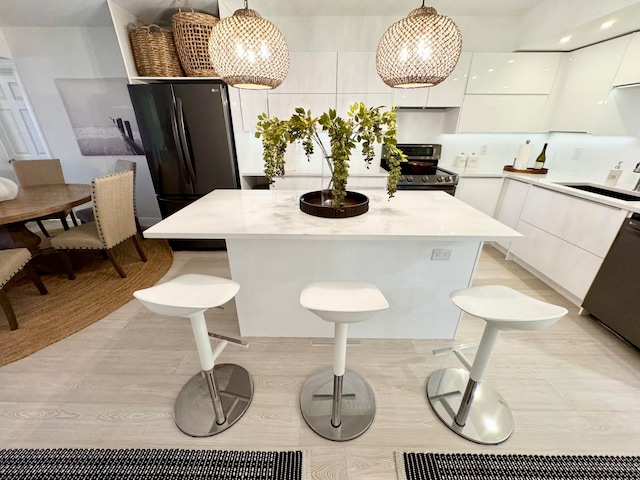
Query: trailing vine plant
(363,126)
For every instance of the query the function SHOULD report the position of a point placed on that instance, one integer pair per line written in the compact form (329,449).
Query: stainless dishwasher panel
(614,296)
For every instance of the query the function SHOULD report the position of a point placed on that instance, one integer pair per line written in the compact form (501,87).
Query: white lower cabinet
(510,203)
(480,193)
(565,237)
(571,267)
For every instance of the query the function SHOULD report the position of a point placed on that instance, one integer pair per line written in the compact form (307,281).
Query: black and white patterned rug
(149,464)
(459,466)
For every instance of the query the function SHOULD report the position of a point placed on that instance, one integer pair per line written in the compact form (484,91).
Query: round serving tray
(355,204)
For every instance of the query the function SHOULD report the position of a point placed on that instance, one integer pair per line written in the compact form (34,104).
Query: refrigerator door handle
(176,138)
(183,140)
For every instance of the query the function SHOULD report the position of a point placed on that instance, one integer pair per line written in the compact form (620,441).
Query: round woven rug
(72,305)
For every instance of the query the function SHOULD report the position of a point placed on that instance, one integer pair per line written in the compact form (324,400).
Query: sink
(626,196)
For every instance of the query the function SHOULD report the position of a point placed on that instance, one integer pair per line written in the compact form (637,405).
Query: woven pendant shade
(248,51)
(420,50)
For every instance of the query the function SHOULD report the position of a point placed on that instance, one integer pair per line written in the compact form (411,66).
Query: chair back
(128,166)
(38,172)
(113,212)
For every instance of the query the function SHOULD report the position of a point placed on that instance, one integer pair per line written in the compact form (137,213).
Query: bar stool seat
(337,403)
(480,414)
(218,396)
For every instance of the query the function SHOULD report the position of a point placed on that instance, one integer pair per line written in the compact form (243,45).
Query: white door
(19,133)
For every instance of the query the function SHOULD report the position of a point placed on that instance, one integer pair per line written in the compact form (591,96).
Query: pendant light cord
(246,4)
(422,2)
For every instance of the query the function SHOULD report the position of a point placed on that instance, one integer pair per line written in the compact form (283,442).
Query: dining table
(33,202)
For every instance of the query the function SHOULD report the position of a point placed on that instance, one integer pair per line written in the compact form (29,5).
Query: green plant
(364,126)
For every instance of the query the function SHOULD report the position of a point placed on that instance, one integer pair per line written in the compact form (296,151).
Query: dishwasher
(614,296)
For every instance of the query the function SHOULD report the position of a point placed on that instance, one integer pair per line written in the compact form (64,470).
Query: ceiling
(580,18)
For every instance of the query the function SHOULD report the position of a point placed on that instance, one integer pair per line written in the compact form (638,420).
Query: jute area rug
(150,464)
(454,466)
(72,305)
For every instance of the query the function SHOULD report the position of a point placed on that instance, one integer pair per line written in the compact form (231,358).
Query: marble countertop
(275,214)
(557,182)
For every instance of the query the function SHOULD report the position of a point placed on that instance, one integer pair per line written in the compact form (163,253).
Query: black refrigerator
(188,140)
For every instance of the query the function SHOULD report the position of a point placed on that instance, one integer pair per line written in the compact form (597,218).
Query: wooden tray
(541,171)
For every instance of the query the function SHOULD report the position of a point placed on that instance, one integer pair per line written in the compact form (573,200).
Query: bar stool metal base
(194,413)
(490,420)
(358,405)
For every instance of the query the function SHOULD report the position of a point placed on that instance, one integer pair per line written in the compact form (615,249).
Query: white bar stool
(481,414)
(216,398)
(328,411)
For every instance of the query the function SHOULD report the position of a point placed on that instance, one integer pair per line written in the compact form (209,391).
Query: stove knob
(402,179)
(409,179)
(448,178)
(440,179)
(425,179)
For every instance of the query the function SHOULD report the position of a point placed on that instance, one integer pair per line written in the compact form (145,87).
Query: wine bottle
(541,158)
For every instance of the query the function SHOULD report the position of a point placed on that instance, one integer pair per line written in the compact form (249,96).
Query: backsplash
(586,156)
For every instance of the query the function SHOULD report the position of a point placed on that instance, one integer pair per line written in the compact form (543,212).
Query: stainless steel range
(421,171)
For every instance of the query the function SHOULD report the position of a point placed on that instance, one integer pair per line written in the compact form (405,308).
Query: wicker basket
(155,52)
(192,31)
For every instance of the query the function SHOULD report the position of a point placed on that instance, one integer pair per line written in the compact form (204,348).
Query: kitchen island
(416,247)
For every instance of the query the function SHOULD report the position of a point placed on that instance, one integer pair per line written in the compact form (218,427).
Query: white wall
(43,54)
(4,47)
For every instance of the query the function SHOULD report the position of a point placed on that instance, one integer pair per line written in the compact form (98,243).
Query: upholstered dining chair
(13,261)
(85,215)
(113,223)
(43,172)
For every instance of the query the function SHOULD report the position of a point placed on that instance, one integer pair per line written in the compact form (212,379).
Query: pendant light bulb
(420,50)
(248,51)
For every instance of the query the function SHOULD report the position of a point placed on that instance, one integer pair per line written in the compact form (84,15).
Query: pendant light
(248,51)
(420,50)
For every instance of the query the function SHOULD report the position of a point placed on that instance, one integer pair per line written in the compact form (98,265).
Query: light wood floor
(574,388)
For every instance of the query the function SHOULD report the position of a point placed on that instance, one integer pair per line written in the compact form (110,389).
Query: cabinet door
(502,113)
(588,225)
(512,198)
(629,71)
(252,104)
(480,193)
(450,93)
(584,81)
(357,74)
(310,72)
(509,73)
(571,267)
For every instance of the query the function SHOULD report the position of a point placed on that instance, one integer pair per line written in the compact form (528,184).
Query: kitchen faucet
(637,170)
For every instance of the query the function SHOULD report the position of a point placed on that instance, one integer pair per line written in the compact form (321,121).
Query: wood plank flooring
(573,388)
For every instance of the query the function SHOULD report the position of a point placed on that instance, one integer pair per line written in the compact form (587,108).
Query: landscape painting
(101,115)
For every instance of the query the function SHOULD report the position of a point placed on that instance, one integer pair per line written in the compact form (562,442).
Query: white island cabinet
(275,250)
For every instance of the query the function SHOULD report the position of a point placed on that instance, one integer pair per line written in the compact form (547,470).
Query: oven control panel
(442,178)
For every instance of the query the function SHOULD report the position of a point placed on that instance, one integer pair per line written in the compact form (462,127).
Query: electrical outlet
(483,150)
(441,254)
(576,154)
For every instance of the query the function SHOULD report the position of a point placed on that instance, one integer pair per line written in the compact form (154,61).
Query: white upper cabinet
(310,72)
(629,71)
(512,73)
(357,74)
(585,78)
(502,113)
(450,93)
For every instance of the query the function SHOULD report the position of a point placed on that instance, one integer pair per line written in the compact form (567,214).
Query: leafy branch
(364,126)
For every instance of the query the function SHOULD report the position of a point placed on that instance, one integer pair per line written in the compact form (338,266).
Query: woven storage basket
(154,52)
(192,31)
